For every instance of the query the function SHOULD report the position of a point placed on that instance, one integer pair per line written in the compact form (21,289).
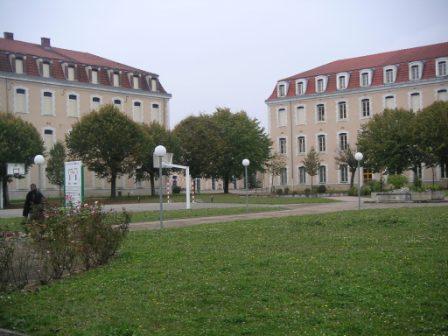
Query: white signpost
(74,183)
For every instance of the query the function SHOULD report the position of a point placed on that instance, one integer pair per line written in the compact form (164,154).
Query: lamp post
(358,157)
(39,160)
(160,152)
(246,163)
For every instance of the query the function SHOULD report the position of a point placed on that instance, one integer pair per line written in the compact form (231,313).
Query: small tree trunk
(113,187)
(152,182)
(352,177)
(225,184)
(311,178)
(272,183)
(433,170)
(5,192)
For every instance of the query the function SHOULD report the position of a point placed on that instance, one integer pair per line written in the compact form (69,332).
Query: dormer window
(301,87)
(135,82)
(94,76)
(415,70)
(365,77)
(282,88)
(390,74)
(321,84)
(441,66)
(116,79)
(18,62)
(46,70)
(342,80)
(71,73)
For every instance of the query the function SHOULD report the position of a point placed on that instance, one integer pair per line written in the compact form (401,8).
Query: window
(342,80)
(47,105)
(135,82)
(441,68)
(118,103)
(116,79)
(213,183)
(21,100)
(342,110)
(341,83)
(281,90)
(444,170)
(389,102)
(94,76)
(48,139)
(343,144)
(137,111)
(415,102)
(321,143)
(281,117)
(442,95)
(322,174)
(367,175)
(365,77)
(302,175)
(283,176)
(301,87)
(321,83)
(282,145)
(73,105)
(418,172)
(300,115)
(343,173)
(365,108)
(46,70)
(301,145)
(157,113)
(71,73)
(389,74)
(95,104)
(19,65)
(320,112)
(414,72)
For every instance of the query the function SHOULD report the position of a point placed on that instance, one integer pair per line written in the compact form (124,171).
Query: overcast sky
(226,53)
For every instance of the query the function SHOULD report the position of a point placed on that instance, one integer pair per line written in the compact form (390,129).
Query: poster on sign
(73,183)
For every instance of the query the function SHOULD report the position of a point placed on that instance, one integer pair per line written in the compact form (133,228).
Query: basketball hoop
(166,159)
(15,169)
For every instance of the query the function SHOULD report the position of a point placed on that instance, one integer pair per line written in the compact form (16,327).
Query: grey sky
(226,53)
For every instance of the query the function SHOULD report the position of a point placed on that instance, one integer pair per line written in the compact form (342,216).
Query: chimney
(8,36)
(45,42)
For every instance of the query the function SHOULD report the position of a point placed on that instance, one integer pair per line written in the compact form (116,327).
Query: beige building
(325,108)
(53,88)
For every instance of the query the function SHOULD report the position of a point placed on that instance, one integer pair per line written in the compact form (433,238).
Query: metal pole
(1,193)
(247,190)
(187,187)
(161,192)
(359,185)
(39,177)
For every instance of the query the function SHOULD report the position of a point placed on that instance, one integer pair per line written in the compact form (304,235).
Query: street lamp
(39,160)
(160,152)
(246,163)
(358,157)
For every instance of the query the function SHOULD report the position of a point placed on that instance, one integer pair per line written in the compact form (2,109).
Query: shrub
(176,189)
(321,189)
(286,191)
(279,192)
(435,187)
(307,191)
(398,181)
(365,190)
(375,186)
(353,191)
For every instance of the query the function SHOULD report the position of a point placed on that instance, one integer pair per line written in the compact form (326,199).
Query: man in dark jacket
(33,198)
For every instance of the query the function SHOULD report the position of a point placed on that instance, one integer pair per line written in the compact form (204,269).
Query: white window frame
(324,83)
(304,85)
(22,61)
(91,101)
(338,139)
(280,177)
(361,116)
(285,110)
(116,84)
(337,110)
(394,74)
(301,135)
(44,65)
(318,143)
(420,105)
(346,76)
(49,128)
(390,95)
(53,102)
(141,110)
(326,174)
(286,84)
(68,73)
(121,107)
(369,73)
(134,77)
(340,174)
(438,60)
(78,103)
(96,81)
(436,93)
(159,111)
(297,114)
(298,175)
(317,113)
(280,145)
(419,65)
(26,99)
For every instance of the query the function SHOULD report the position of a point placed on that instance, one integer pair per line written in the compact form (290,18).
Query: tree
(108,142)
(311,162)
(19,143)
(153,135)
(388,142)
(55,165)
(274,166)
(347,157)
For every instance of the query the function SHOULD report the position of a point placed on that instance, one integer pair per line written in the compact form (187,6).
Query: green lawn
(11,224)
(381,272)
(232,198)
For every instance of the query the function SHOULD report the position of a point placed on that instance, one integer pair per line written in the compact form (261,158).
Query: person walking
(34,198)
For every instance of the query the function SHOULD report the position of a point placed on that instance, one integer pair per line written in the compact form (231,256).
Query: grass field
(380,272)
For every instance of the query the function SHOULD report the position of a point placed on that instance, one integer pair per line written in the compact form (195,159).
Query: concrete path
(346,203)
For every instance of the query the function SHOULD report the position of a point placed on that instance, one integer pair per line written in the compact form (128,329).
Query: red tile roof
(58,55)
(401,58)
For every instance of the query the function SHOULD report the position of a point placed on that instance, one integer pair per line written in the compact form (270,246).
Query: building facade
(53,88)
(325,108)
